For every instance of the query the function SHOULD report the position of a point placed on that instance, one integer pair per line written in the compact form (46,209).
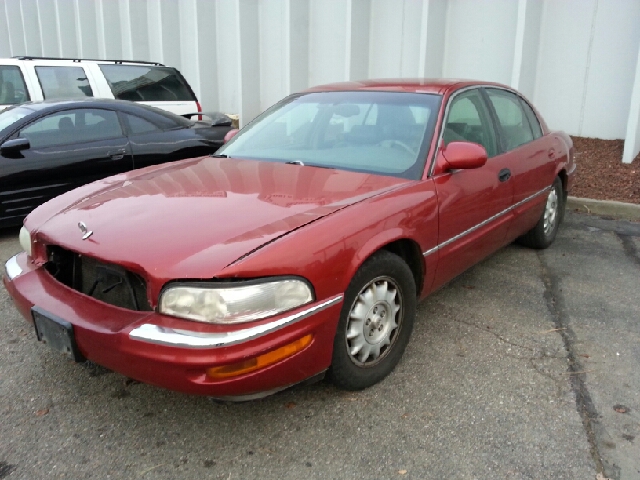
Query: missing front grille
(108,283)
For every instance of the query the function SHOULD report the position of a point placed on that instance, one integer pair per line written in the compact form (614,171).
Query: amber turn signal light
(261,361)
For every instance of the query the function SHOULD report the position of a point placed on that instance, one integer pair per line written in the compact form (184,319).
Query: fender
(373,245)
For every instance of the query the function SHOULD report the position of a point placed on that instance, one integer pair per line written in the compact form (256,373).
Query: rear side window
(139,125)
(515,125)
(64,82)
(72,126)
(147,83)
(533,120)
(12,87)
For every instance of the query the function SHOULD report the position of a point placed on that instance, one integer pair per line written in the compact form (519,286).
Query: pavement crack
(495,334)
(558,382)
(629,247)
(584,404)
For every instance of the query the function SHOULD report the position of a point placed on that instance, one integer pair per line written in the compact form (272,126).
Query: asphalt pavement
(525,367)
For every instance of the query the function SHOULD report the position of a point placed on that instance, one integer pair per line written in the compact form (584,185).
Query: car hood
(190,219)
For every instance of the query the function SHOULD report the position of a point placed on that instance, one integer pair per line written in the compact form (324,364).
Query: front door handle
(117,155)
(504,175)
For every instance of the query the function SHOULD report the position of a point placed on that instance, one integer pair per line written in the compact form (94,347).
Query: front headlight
(25,240)
(212,303)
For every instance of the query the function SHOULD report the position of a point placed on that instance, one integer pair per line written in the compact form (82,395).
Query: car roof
(52,105)
(81,101)
(95,102)
(438,86)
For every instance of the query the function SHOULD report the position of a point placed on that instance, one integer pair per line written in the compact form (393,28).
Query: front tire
(375,322)
(544,233)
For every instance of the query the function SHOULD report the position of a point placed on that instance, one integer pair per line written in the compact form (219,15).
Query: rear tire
(544,233)
(375,322)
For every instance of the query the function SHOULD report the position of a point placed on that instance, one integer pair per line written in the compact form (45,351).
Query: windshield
(386,133)
(12,115)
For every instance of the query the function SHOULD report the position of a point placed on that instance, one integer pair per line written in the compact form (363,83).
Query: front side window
(146,83)
(64,82)
(12,87)
(385,133)
(469,121)
(513,121)
(12,114)
(72,126)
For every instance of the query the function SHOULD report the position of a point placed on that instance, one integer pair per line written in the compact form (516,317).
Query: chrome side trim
(189,339)
(12,268)
(485,222)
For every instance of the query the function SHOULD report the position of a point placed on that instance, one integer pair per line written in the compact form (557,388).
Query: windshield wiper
(295,162)
(220,155)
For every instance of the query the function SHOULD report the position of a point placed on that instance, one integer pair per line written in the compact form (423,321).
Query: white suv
(24,79)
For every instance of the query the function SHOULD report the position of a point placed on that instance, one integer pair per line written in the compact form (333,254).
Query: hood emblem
(86,233)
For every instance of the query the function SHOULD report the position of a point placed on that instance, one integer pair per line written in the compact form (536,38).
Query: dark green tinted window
(469,121)
(139,125)
(516,130)
(142,83)
(533,119)
(72,126)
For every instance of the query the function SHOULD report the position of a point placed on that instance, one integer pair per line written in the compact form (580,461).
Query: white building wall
(576,59)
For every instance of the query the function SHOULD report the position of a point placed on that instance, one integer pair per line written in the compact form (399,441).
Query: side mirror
(15,145)
(464,155)
(230,134)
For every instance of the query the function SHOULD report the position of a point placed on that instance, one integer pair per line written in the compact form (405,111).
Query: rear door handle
(504,175)
(117,155)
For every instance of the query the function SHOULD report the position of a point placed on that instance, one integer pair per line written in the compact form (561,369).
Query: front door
(67,149)
(473,204)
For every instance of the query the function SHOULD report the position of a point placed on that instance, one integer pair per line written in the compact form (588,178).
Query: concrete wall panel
(576,59)
(480,39)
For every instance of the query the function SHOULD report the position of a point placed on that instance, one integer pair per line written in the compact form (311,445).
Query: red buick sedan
(302,247)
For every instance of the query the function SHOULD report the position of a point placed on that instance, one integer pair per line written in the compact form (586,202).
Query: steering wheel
(397,143)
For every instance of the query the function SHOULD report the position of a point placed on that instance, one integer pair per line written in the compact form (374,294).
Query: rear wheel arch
(563,176)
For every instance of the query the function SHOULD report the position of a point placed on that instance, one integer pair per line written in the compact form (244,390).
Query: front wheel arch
(392,241)
(385,282)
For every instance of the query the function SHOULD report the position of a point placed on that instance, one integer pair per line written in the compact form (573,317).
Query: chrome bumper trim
(12,268)
(189,339)
(483,223)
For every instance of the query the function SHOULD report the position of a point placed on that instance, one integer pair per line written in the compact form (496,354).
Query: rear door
(529,154)
(473,204)
(67,149)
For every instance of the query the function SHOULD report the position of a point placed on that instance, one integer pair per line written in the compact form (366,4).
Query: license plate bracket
(56,333)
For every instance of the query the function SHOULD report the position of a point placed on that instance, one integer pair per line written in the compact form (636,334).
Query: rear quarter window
(139,125)
(12,87)
(533,119)
(147,83)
